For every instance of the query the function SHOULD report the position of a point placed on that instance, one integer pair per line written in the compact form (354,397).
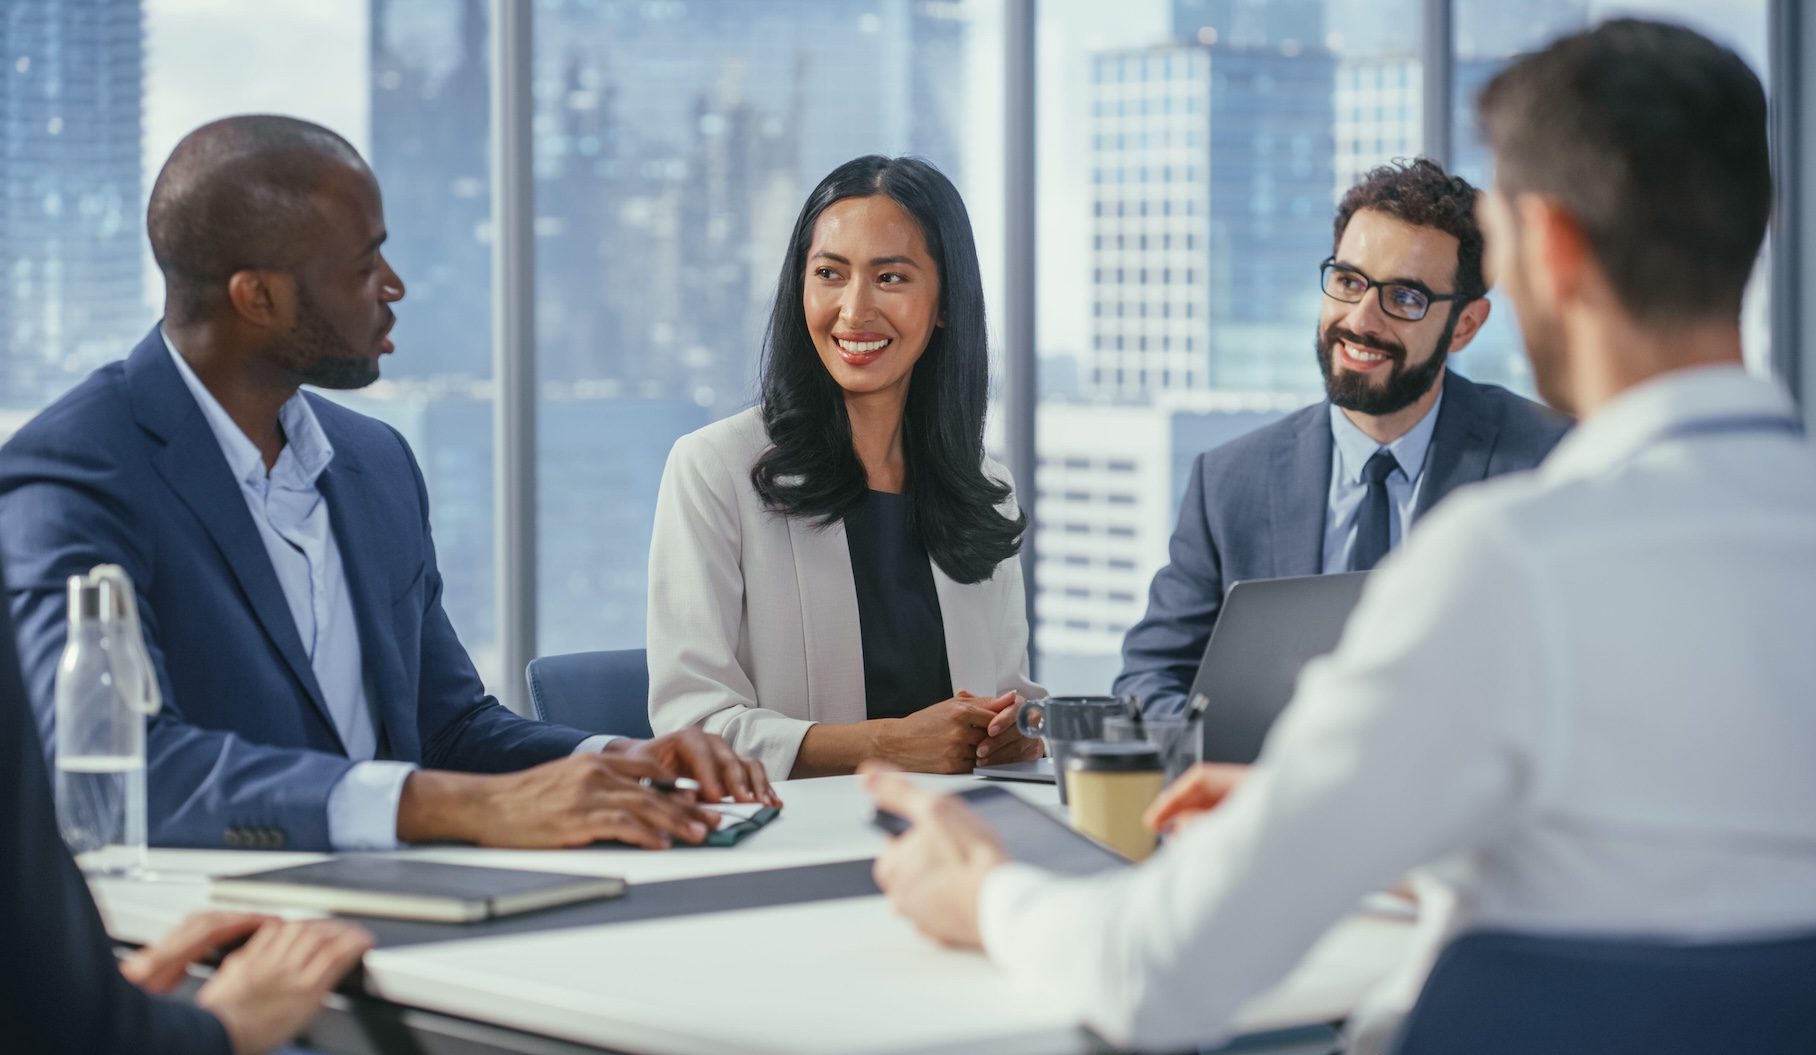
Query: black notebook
(402,888)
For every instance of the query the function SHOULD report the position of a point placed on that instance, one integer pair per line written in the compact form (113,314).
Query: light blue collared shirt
(1351,450)
(292,520)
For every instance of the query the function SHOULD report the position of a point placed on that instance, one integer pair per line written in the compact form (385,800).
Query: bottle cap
(84,598)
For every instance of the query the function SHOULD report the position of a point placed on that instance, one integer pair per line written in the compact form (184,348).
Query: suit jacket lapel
(970,641)
(1299,490)
(357,525)
(829,621)
(1460,443)
(191,462)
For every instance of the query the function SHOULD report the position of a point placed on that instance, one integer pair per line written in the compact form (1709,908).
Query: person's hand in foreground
(1198,791)
(934,872)
(265,991)
(721,772)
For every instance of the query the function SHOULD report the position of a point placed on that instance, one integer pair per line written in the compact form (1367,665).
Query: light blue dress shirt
(1351,450)
(292,521)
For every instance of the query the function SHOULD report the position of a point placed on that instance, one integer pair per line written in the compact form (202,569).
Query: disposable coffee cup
(1108,788)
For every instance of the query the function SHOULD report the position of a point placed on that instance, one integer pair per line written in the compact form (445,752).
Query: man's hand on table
(269,988)
(934,872)
(721,772)
(569,802)
(612,795)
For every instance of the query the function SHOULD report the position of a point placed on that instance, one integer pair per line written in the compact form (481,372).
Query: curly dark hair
(812,471)
(1421,193)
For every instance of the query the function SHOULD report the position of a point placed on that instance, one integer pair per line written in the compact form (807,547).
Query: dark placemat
(646,901)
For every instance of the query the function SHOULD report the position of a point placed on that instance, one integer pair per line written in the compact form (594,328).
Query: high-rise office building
(430,115)
(1250,23)
(71,103)
(1378,114)
(1211,179)
(673,145)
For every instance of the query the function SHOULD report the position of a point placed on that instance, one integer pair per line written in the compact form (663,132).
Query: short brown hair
(1421,193)
(1654,138)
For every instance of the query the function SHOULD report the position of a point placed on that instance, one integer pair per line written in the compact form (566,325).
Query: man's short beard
(319,356)
(1354,391)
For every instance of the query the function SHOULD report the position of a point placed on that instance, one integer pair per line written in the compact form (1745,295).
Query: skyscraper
(1211,174)
(430,121)
(673,144)
(71,99)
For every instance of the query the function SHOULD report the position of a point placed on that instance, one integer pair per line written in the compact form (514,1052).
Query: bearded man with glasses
(1334,486)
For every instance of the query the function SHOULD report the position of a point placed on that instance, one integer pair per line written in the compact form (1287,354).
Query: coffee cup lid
(1105,756)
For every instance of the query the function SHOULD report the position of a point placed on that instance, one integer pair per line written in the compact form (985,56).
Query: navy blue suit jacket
(62,989)
(125,469)
(1254,508)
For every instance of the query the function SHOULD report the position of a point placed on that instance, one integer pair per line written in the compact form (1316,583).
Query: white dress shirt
(1580,700)
(1351,448)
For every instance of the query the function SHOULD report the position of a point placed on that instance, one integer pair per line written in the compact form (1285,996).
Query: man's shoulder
(1521,419)
(345,427)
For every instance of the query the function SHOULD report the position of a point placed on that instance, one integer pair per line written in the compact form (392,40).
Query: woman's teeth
(860,347)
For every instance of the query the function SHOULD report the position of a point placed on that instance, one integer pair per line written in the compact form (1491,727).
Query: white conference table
(835,976)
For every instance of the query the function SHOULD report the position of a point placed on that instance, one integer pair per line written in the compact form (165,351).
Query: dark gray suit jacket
(1255,507)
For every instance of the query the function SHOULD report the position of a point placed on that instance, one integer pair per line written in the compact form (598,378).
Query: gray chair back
(1514,994)
(599,692)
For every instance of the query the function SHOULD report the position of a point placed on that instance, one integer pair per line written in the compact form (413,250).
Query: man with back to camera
(1520,708)
(316,694)
(1332,487)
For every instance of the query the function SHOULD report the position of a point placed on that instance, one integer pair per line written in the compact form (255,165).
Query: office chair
(600,692)
(1513,994)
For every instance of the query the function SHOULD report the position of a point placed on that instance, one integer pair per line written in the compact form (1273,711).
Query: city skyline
(673,145)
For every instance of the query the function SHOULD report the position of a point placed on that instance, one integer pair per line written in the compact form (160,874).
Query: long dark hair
(812,469)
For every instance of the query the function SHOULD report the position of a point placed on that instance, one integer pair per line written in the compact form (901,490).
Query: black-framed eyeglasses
(1397,298)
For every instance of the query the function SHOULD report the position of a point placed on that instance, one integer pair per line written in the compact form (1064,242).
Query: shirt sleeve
(1415,739)
(362,807)
(594,744)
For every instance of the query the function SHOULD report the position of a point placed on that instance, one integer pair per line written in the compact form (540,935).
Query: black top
(898,611)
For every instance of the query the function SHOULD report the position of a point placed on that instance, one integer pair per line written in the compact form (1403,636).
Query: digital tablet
(1029,833)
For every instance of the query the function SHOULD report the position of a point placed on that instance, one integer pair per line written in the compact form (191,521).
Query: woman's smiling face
(872,294)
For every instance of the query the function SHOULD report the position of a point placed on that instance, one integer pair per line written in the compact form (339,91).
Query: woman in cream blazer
(868,440)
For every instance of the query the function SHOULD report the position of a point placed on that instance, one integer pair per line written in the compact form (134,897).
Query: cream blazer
(753,616)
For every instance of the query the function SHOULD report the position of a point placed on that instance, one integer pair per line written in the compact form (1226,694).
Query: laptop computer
(1268,631)
(1037,771)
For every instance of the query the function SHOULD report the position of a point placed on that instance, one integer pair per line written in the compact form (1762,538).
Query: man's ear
(1469,323)
(264,299)
(1556,257)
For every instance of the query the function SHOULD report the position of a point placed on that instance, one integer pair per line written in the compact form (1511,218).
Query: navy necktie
(1371,519)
